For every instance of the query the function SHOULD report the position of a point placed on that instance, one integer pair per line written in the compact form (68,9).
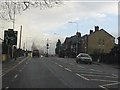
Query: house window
(99,42)
(103,42)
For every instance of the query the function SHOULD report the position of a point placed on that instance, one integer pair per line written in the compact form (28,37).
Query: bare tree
(9,8)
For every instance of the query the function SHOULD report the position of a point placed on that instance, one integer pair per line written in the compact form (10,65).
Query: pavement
(8,64)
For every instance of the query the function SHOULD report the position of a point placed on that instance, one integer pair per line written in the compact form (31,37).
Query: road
(53,72)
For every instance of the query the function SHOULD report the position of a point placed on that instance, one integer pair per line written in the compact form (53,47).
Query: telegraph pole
(20,37)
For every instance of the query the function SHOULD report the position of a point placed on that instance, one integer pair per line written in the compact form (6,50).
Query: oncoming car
(35,53)
(83,57)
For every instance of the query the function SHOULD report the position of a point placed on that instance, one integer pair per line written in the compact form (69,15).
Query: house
(72,45)
(98,42)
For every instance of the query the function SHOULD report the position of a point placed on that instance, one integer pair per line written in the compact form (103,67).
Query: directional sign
(10,37)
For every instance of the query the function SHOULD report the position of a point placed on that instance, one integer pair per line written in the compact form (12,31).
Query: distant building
(72,45)
(98,41)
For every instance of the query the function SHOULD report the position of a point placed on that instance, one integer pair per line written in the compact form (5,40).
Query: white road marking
(13,67)
(16,76)
(111,84)
(60,65)
(81,66)
(99,76)
(68,69)
(96,70)
(56,63)
(20,70)
(115,75)
(6,87)
(103,80)
(103,87)
(82,76)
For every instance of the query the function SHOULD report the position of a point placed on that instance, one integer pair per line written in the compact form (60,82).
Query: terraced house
(97,42)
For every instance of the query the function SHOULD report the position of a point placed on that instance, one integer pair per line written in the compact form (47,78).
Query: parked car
(83,57)
(35,53)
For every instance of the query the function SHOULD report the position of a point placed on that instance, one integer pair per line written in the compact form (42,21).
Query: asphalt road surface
(53,72)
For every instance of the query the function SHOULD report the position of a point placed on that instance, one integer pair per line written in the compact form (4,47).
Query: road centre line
(68,69)
(99,76)
(102,80)
(82,76)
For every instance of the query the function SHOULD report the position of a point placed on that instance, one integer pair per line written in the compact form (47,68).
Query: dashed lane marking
(56,63)
(115,75)
(82,76)
(80,66)
(6,87)
(20,70)
(16,76)
(68,69)
(96,70)
(60,65)
(103,80)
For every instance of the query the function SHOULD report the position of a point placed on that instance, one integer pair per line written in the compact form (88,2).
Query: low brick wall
(3,57)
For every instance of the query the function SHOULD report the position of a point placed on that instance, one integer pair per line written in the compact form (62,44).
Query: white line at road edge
(13,67)
(68,69)
(82,76)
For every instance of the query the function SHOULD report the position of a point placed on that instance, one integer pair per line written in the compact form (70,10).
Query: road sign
(10,37)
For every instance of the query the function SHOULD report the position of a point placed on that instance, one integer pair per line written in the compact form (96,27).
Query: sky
(53,23)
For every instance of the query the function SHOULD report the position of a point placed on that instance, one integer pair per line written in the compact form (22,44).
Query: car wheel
(76,61)
(90,62)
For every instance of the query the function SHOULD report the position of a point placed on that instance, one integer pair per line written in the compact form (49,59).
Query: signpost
(10,39)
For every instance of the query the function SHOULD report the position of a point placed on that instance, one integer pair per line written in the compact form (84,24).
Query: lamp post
(76,35)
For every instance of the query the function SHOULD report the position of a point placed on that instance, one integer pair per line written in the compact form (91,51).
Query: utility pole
(14,16)
(20,37)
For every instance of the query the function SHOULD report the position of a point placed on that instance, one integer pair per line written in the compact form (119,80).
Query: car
(83,58)
(35,53)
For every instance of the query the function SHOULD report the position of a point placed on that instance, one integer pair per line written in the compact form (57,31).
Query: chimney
(78,34)
(96,28)
(91,31)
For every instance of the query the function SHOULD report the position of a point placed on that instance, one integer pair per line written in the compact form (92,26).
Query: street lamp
(76,35)
(75,23)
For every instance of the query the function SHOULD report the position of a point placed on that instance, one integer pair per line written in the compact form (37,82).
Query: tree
(9,8)
(58,47)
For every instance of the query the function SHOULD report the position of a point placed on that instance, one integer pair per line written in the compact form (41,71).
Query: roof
(103,31)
